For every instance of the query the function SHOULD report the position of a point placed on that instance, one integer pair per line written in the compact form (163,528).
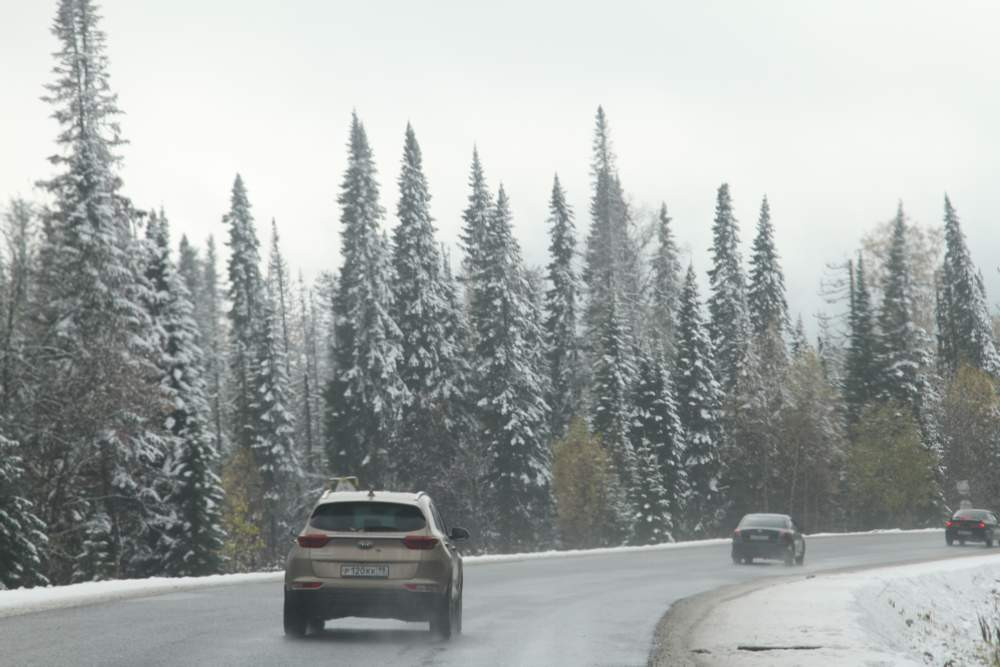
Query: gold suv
(374,554)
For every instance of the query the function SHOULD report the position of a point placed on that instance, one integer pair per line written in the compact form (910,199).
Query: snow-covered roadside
(24,601)
(926,613)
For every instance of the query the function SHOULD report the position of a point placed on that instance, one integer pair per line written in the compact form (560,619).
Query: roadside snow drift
(921,614)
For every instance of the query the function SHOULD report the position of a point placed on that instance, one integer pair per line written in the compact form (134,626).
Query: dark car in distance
(768,536)
(971,526)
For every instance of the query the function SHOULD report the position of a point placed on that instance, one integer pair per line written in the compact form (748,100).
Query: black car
(772,536)
(971,526)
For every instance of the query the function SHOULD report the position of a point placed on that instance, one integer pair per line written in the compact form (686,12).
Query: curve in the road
(583,610)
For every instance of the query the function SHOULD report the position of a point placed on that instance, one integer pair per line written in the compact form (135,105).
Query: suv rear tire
(295,620)
(446,617)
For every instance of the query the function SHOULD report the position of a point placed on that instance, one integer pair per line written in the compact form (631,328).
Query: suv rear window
(972,515)
(368,517)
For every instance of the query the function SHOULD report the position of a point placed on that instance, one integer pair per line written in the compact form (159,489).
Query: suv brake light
(420,542)
(982,524)
(949,524)
(313,541)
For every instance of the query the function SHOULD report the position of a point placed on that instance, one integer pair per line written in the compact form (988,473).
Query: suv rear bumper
(330,603)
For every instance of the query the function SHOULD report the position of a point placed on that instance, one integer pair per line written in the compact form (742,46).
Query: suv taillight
(420,542)
(982,524)
(312,541)
(949,524)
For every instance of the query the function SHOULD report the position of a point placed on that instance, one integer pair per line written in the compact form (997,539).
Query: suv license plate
(760,538)
(365,571)
(965,532)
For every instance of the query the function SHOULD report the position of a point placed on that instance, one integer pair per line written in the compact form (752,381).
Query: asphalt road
(586,610)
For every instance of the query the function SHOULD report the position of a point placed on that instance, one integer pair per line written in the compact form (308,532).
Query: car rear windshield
(368,517)
(971,515)
(763,521)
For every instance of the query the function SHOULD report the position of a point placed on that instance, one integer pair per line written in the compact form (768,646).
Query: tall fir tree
(965,332)
(860,367)
(191,540)
(729,325)
(209,311)
(281,288)
(274,429)
(432,366)
(699,401)
(245,293)
(902,345)
(561,314)
(91,450)
(364,396)
(666,285)
(658,441)
(510,389)
(768,308)
(610,258)
(613,374)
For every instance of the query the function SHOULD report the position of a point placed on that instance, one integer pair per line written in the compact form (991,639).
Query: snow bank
(27,600)
(926,613)
(24,601)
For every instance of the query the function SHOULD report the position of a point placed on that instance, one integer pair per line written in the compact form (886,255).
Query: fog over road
(584,610)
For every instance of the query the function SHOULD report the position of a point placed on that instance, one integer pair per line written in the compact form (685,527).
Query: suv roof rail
(421,493)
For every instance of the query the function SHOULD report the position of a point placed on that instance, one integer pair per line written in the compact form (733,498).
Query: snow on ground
(24,601)
(921,614)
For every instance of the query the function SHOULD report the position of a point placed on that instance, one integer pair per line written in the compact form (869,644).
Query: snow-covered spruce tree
(189,267)
(767,306)
(245,294)
(208,311)
(84,420)
(191,539)
(610,256)
(475,219)
(965,333)
(363,399)
(699,400)
(281,289)
(729,326)
(274,429)
(860,366)
(432,367)
(905,372)
(902,345)
(511,391)
(666,286)
(309,397)
(613,375)
(658,441)
(22,534)
(561,312)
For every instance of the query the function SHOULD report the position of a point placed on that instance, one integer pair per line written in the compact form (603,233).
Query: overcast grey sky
(834,109)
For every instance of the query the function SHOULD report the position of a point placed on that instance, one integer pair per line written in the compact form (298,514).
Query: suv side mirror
(459,533)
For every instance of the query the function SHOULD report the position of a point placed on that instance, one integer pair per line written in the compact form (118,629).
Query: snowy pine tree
(432,366)
(965,333)
(208,310)
(561,314)
(363,399)
(729,325)
(510,389)
(191,539)
(91,451)
(768,308)
(699,402)
(274,429)
(658,441)
(666,285)
(613,374)
(860,367)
